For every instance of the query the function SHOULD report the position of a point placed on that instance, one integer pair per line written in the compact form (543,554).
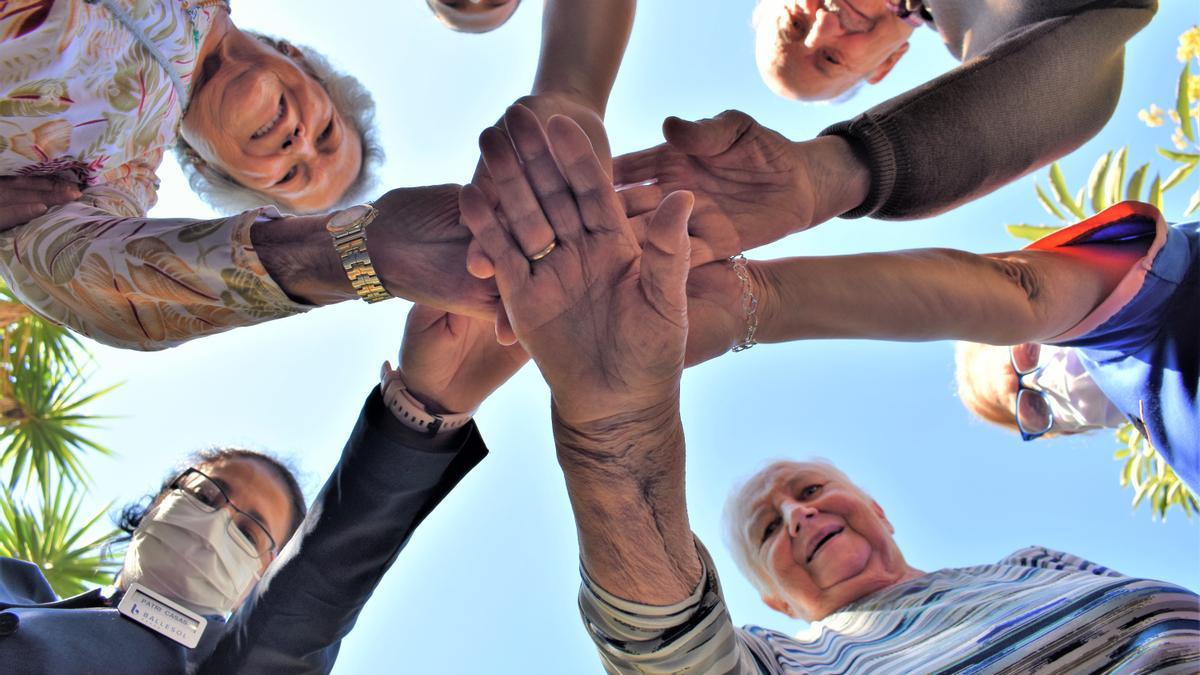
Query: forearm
(299,255)
(388,480)
(583,42)
(625,479)
(136,282)
(416,245)
(923,294)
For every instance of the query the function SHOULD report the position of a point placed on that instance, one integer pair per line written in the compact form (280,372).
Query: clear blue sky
(488,584)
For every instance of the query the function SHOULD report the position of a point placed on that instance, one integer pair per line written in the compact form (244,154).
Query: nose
(794,515)
(298,142)
(826,28)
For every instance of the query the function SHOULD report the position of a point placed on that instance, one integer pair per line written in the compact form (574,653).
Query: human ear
(882,516)
(289,50)
(884,68)
(780,605)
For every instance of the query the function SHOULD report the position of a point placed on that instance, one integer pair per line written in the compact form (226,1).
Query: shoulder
(23,581)
(1050,559)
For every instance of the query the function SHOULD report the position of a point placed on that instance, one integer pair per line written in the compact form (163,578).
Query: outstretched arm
(605,321)
(1032,88)
(100,267)
(918,295)
(583,42)
(390,477)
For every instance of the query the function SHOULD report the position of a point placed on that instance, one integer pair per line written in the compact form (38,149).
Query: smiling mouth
(821,543)
(269,126)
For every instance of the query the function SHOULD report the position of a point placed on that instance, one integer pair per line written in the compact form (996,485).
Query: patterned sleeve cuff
(695,634)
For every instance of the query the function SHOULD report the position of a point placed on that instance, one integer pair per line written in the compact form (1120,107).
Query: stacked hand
(419,249)
(451,363)
(23,198)
(752,186)
(604,318)
(543,106)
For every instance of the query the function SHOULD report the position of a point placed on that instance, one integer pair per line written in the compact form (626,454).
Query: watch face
(343,221)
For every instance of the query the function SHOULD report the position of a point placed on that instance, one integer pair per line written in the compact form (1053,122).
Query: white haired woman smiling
(259,121)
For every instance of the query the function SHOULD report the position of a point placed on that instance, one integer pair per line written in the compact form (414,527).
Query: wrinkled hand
(451,363)
(604,318)
(419,248)
(23,198)
(751,184)
(543,106)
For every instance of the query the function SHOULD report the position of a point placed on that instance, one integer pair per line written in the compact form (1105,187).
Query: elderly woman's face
(261,118)
(817,540)
(817,49)
(473,16)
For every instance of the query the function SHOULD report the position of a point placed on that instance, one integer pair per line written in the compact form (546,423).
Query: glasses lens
(249,535)
(206,492)
(1033,412)
(1027,357)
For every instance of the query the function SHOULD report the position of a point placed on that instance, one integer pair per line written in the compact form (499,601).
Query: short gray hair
(352,101)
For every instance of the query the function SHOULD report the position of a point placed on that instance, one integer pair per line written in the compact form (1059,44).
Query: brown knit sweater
(1038,79)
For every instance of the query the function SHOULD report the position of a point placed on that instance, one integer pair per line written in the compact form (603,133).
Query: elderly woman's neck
(220,29)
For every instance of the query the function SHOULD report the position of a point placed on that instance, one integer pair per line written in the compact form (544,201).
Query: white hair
(352,101)
(734,516)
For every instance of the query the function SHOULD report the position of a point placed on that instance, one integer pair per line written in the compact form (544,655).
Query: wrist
(402,210)
(765,285)
(838,178)
(299,256)
(413,410)
(617,444)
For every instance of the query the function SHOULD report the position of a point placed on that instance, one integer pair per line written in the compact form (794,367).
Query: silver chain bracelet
(749,302)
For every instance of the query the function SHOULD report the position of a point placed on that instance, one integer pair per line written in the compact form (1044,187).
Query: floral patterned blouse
(94,92)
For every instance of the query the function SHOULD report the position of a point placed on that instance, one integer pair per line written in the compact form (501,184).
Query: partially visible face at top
(260,117)
(816,540)
(473,16)
(818,49)
(257,490)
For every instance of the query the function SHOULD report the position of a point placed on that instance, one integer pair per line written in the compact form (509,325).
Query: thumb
(665,254)
(709,137)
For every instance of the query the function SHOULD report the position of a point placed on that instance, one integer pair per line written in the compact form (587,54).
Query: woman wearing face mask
(210,583)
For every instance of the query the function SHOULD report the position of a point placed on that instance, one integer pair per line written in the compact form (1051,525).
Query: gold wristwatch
(349,231)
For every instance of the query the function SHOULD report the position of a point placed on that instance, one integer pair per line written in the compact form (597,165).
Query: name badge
(162,615)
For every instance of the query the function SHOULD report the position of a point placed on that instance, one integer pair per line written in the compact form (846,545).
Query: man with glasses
(217,537)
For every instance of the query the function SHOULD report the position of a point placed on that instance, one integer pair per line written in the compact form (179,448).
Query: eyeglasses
(1033,413)
(251,535)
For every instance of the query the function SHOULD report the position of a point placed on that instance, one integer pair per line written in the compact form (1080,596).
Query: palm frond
(71,554)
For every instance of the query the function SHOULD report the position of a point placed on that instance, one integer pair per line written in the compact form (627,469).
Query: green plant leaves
(69,554)
(1183,104)
(1155,196)
(1030,232)
(1151,478)
(1193,204)
(1095,184)
(1047,204)
(1134,189)
(1116,178)
(1059,185)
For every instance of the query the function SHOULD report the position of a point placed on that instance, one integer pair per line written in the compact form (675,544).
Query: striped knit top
(1035,611)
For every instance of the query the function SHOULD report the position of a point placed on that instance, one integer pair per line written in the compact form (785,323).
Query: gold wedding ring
(544,252)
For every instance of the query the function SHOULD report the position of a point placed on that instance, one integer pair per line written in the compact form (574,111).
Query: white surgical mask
(1077,402)
(185,551)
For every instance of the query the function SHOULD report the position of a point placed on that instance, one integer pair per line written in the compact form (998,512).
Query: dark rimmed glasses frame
(1030,399)
(210,496)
